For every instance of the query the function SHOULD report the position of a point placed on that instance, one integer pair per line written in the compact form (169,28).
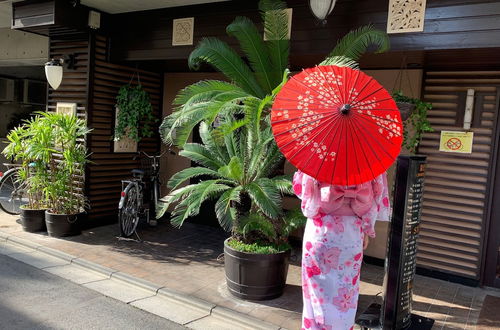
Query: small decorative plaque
(182,31)
(406,16)
(66,108)
(125,144)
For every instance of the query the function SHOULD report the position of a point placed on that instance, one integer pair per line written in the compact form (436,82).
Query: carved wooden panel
(406,16)
(182,33)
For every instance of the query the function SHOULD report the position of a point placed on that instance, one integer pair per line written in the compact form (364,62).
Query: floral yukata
(338,219)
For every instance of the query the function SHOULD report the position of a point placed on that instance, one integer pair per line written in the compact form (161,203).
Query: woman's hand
(366,241)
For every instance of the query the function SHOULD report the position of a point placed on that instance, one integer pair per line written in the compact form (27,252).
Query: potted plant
(238,157)
(66,202)
(25,143)
(134,113)
(415,122)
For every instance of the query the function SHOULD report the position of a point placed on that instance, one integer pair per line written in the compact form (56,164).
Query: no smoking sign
(460,142)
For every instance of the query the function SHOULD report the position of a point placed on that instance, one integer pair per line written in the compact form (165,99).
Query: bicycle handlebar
(156,156)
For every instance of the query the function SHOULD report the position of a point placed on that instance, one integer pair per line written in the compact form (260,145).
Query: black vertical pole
(400,263)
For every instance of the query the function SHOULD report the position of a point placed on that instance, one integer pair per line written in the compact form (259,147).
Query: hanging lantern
(54,73)
(321,8)
(54,69)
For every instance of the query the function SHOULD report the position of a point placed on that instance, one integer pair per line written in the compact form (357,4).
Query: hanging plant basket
(405,108)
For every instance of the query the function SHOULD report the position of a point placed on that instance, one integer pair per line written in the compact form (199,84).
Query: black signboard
(400,263)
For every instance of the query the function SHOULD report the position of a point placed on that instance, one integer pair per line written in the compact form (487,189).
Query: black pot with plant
(28,145)
(66,203)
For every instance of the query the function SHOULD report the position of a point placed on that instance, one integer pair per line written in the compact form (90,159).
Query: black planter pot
(61,225)
(255,276)
(33,220)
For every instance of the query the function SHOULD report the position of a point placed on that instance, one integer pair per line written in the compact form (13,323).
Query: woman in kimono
(340,221)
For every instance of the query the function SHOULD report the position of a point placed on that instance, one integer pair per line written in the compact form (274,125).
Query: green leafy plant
(135,113)
(238,156)
(31,145)
(67,160)
(417,123)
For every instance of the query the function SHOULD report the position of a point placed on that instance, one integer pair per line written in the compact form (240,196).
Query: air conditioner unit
(6,90)
(34,92)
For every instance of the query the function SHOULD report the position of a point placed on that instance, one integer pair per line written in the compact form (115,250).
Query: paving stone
(119,290)
(76,274)
(39,259)
(170,309)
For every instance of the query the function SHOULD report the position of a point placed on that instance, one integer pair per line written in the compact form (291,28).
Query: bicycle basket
(147,165)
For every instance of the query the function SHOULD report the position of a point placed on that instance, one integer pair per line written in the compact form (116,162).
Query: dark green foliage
(135,115)
(417,123)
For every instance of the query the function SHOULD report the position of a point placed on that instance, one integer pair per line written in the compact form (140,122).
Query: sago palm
(239,154)
(211,99)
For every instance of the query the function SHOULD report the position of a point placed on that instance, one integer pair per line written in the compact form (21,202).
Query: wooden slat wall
(449,24)
(74,84)
(456,188)
(107,169)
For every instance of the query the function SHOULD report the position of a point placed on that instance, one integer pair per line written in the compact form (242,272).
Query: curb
(219,312)
(23,242)
(239,318)
(93,266)
(186,299)
(56,253)
(139,282)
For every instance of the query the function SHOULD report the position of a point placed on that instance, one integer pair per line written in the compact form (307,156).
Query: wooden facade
(93,85)
(449,24)
(458,49)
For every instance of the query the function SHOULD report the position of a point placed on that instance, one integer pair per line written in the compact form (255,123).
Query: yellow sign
(452,141)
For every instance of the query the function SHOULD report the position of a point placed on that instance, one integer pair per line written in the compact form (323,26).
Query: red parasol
(337,125)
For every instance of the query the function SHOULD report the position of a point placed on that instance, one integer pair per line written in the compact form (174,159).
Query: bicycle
(132,207)
(12,192)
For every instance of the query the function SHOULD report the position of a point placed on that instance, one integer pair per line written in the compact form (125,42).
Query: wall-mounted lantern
(321,8)
(54,69)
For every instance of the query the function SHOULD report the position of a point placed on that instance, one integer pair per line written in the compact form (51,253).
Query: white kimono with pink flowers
(338,219)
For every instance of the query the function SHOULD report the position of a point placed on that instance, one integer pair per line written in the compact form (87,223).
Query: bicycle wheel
(128,217)
(12,193)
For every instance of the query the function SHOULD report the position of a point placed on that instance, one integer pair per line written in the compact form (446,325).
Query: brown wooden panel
(449,25)
(107,168)
(456,193)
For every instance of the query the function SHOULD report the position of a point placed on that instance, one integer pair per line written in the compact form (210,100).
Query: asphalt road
(33,299)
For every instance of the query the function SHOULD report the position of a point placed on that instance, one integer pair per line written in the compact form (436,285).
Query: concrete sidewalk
(186,264)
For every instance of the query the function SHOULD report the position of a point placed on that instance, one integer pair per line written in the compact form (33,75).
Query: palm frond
(201,155)
(354,44)
(190,173)
(222,57)
(266,197)
(252,44)
(190,204)
(284,184)
(206,88)
(225,212)
(341,61)
(218,150)
(255,222)
(234,170)
(293,219)
(275,20)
